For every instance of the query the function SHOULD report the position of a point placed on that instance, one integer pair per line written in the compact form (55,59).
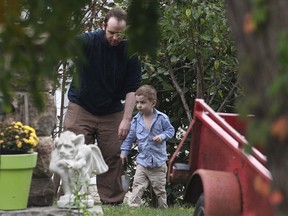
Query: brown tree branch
(226,99)
(178,89)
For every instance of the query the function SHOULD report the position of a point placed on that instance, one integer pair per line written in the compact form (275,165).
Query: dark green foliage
(33,38)
(143,31)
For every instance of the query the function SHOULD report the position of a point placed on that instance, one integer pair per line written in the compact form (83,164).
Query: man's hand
(123,159)
(123,129)
(124,126)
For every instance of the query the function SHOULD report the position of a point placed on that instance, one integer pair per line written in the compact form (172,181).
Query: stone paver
(50,211)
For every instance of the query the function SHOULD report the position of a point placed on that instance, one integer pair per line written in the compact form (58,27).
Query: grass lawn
(124,210)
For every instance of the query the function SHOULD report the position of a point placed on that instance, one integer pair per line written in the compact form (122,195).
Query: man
(107,75)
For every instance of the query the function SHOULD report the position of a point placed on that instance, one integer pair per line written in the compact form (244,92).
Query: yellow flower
(17,138)
(25,140)
(28,128)
(19,124)
(19,144)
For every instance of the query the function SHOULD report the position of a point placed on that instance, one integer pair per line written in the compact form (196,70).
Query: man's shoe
(111,203)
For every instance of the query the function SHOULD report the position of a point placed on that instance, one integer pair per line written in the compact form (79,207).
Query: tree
(196,58)
(260,31)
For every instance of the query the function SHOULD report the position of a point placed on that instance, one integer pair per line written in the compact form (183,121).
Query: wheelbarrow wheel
(199,207)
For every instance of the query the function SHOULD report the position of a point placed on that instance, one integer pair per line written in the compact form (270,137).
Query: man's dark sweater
(107,74)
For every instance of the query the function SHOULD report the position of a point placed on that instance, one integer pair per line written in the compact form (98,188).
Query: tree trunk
(200,78)
(260,65)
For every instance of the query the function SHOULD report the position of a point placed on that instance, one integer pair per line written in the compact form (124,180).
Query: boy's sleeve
(131,137)
(168,129)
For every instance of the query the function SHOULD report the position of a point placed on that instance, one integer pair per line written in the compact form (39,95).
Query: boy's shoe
(134,205)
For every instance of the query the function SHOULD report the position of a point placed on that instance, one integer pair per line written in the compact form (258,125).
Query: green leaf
(216,40)
(188,12)
(216,64)
(173,59)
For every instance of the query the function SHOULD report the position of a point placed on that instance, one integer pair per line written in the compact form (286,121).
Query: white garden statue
(75,163)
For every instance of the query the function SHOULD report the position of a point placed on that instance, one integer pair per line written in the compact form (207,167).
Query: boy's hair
(118,13)
(147,91)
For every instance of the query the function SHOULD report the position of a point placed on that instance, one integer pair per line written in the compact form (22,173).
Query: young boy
(151,129)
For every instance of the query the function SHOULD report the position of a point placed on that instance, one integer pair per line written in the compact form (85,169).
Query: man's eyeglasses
(117,34)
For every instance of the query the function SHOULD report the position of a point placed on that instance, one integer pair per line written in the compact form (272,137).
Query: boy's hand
(157,139)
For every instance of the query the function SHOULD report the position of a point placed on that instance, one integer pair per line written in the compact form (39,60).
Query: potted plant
(17,160)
